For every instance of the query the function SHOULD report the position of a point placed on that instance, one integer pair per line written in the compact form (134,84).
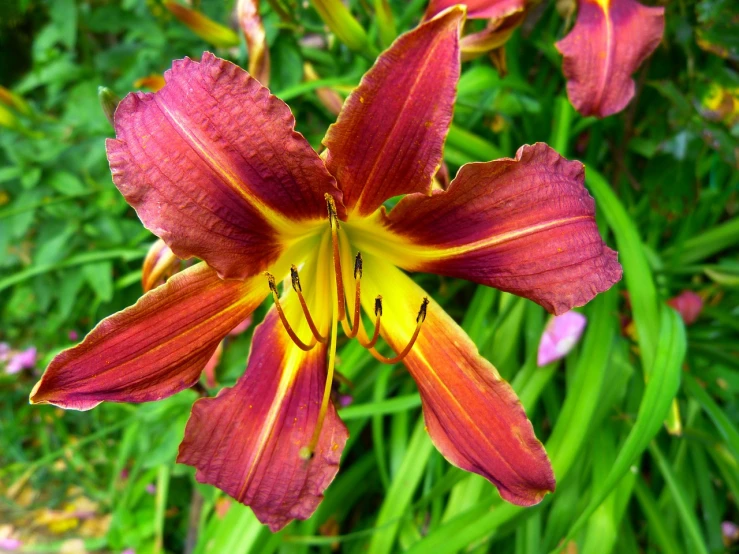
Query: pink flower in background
(560,336)
(688,304)
(4,351)
(151,488)
(730,532)
(21,360)
(73,335)
(129,551)
(7,544)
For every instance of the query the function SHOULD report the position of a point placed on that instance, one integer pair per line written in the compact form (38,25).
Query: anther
(299,343)
(378,317)
(420,318)
(352,332)
(298,288)
(358,266)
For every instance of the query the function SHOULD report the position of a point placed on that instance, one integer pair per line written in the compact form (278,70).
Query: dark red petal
(213,166)
(389,136)
(247,441)
(478,9)
(153,349)
(610,40)
(473,416)
(523,225)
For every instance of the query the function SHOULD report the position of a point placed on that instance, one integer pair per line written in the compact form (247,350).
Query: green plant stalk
(341,22)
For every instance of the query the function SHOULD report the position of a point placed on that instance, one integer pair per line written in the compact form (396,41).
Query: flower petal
(688,304)
(560,336)
(389,136)
(494,36)
(478,9)
(153,349)
(472,415)
(610,40)
(247,440)
(159,265)
(256,39)
(523,225)
(213,166)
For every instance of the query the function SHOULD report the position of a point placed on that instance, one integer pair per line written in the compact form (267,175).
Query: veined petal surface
(389,136)
(247,441)
(610,40)
(478,9)
(473,416)
(523,225)
(213,166)
(153,349)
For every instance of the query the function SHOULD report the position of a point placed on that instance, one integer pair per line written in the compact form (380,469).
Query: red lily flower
(610,40)
(213,166)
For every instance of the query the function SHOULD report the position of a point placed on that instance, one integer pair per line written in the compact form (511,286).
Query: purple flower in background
(8,544)
(560,336)
(73,335)
(730,532)
(129,551)
(151,488)
(21,360)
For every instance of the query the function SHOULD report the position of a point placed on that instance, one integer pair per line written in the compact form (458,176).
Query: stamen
(306,312)
(334,222)
(376,334)
(420,318)
(299,343)
(352,332)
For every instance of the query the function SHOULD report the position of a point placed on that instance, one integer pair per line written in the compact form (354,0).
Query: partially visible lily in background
(213,166)
(560,336)
(610,40)
(503,18)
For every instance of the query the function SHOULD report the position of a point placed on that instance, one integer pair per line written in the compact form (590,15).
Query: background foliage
(636,471)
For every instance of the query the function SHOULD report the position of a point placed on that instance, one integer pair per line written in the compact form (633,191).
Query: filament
(376,334)
(299,343)
(419,322)
(351,332)
(307,452)
(334,222)
(306,312)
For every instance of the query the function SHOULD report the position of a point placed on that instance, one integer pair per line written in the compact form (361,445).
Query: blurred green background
(637,471)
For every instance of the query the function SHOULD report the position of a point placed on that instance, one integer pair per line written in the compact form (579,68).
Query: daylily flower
(610,40)
(688,304)
(213,166)
(560,336)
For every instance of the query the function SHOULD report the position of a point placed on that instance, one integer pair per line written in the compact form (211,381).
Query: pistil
(334,223)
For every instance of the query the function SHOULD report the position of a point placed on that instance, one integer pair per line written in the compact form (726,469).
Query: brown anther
(288,328)
(378,305)
(331,207)
(421,317)
(298,288)
(295,278)
(419,321)
(358,266)
(271,281)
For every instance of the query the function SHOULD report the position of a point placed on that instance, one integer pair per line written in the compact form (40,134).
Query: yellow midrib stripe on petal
(222,171)
(290,371)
